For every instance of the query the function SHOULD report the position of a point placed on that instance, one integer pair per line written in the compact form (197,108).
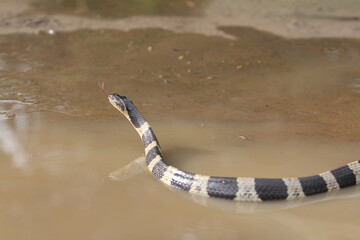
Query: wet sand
(282,17)
(224,99)
(259,77)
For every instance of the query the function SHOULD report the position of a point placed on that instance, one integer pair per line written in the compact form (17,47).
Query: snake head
(119,102)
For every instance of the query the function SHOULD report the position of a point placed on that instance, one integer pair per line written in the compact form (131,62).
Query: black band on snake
(234,188)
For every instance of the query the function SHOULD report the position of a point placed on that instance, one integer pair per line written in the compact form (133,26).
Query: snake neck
(147,135)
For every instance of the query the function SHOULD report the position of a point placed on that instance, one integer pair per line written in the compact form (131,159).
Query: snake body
(233,188)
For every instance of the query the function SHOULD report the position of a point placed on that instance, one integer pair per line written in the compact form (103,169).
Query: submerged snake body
(234,188)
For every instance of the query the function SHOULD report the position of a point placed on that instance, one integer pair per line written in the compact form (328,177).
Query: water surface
(59,190)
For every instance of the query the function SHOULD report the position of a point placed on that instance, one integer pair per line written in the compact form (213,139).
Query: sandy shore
(290,19)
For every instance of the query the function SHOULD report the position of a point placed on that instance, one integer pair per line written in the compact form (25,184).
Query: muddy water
(53,181)
(256,106)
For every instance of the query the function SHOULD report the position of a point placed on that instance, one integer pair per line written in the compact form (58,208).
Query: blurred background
(247,88)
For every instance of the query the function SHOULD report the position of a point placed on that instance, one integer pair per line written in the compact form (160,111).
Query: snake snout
(111,97)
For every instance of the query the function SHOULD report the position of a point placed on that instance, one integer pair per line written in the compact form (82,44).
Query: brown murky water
(53,186)
(259,105)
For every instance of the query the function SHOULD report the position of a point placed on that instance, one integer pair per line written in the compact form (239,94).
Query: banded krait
(234,188)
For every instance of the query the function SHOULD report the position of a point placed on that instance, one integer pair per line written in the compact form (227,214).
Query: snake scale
(233,188)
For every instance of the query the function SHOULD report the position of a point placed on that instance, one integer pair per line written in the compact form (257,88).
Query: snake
(231,188)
